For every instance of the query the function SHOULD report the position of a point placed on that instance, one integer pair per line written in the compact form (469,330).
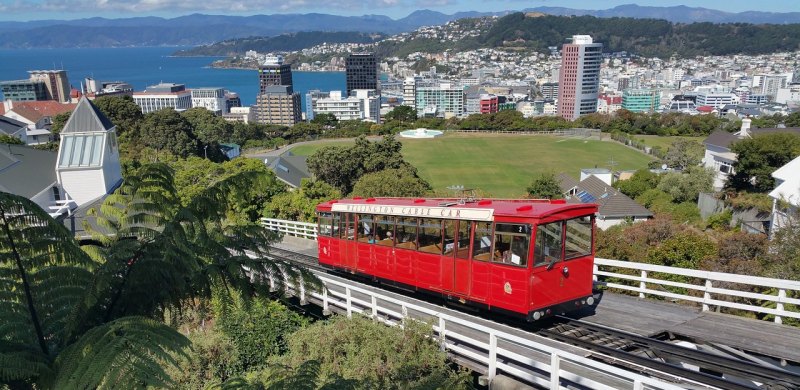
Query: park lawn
(503,165)
(665,142)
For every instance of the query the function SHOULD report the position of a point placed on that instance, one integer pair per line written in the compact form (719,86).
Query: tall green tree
(122,112)
(402,114)
(687,186)
(300,204)
(758,157)
(167,130)
(210,129)
(545,186)
(683,154)
(341,167)
(391,182)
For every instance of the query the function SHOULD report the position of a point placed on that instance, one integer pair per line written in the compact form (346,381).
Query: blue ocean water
(143,66)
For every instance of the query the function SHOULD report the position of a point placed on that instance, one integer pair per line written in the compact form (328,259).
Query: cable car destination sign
(416,211)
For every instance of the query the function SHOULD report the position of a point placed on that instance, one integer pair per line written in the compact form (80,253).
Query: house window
(81,151)
(56,194)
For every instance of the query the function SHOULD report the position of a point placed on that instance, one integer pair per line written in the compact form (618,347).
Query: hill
(644,37)
(283,42)
(198,29)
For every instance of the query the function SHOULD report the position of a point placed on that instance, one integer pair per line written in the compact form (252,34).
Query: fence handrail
(496,358)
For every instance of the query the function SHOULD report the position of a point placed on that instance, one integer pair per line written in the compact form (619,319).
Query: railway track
(646,355)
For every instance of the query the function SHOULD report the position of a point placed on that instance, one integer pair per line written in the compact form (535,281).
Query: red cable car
(524,257)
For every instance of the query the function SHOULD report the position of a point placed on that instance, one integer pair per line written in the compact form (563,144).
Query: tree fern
(45,284)
(146,240)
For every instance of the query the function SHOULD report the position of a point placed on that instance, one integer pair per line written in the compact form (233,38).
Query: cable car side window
(348,230)
(464,234)
(366,228)
(482,241)
(511,243)
(578,241)
(430,235)
(384,230)
(324,227)
(547,249)
(406,232)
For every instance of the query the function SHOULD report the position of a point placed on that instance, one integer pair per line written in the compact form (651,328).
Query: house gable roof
(26,171)
(10,126)
(612,203)
(789,189)
(721,138)
(34,111)
(290,169)
(87,118)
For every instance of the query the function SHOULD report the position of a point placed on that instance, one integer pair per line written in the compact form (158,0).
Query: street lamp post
(205,151)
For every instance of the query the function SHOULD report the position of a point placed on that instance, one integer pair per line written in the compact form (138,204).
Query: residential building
(37,116)
(29,172)
(278,105)
(55,83)
(312,97)
(343,108)
(757,99)
(579,80)
(361,70)
(718,155)
(212,99)
(769,84)
(614,207)
(641,100)
(23,90)
(232,100)
(93,89)
(13,128)
(489,104)
(410,91)
(163,95)
(274,72)
(444,101)
(786,195)
(289,168)
(716,99)
(362,105)
(790,94)
(240,114)
(549,91)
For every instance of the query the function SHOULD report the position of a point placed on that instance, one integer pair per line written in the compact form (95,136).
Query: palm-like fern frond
(148,240)
(43,275)
(124,353)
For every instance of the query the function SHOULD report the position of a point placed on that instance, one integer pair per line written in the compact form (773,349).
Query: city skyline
(15,10)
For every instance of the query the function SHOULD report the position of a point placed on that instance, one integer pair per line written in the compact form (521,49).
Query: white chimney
(744,132)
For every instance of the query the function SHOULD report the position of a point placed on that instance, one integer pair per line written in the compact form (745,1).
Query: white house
(786,195)
(88,165)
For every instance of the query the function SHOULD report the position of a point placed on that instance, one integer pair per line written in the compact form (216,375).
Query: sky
(24,10)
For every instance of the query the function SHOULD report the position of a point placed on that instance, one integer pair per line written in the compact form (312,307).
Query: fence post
(404,311)
(779,306)
(595,268)
(325,310)
(492,356)
(707,295)
(642,284)
(555,374)
(349,303)
(442,335)
(374,307)
(638,385)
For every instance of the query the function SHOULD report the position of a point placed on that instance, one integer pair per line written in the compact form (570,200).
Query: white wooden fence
(778,298)
(496,359)
(708,292)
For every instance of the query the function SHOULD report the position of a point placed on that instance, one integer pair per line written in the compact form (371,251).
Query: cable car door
(462,270)
(549,276)
(348,249)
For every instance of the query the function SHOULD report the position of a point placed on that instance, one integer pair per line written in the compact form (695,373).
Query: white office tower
(410,92)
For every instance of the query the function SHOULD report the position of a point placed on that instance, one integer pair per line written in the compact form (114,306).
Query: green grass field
(665,142)
(503,165)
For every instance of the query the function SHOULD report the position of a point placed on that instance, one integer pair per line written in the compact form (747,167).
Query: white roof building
(786,195)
